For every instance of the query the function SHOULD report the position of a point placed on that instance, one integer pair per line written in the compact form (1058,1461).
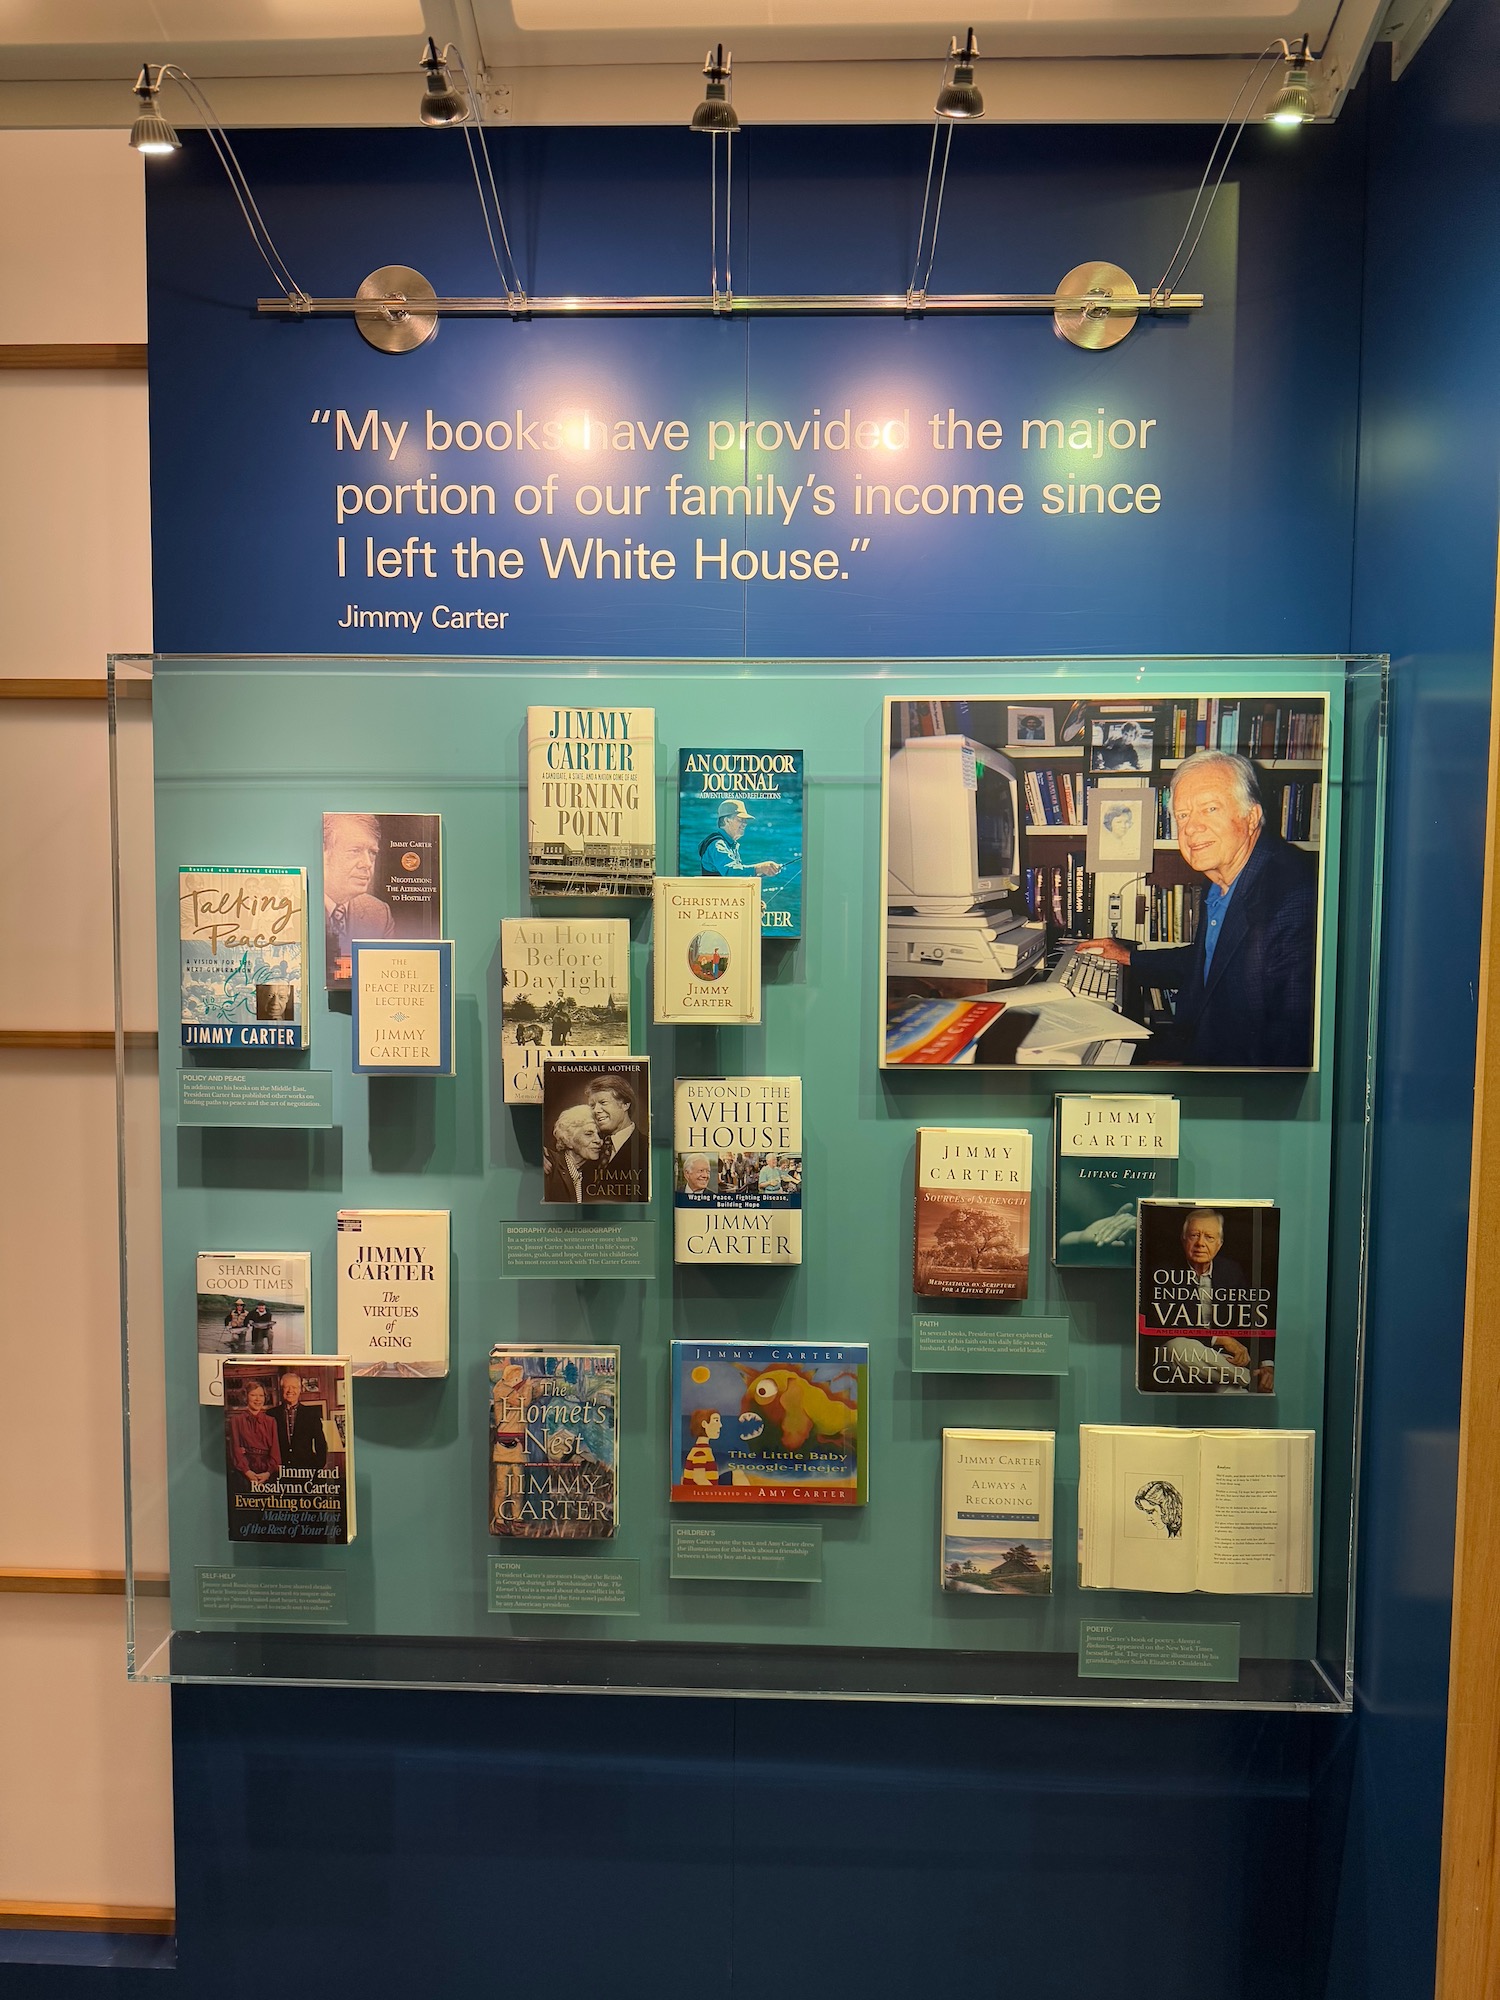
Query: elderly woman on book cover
(576,1143)
(254,1453)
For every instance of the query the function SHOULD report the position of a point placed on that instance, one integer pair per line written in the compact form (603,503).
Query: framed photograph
(1121,745)
(1029,728)
(1120,827)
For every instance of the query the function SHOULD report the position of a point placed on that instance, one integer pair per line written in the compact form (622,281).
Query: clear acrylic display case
(244,757)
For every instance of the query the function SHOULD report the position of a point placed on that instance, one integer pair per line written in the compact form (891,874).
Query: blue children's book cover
(769,1422)
(739,812)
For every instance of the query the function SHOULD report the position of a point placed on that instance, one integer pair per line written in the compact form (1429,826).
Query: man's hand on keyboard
(1109,948)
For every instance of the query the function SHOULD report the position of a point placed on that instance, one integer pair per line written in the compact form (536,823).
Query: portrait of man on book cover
(596,1141)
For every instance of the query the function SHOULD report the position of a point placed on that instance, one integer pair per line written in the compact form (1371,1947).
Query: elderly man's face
(291,1390)
(696,1175)
(1202,1240)
(1215,832)
(608,1112)
(349,862)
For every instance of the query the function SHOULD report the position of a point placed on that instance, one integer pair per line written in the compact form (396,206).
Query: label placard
(1133,1649)
(255,1097)
(578,1249)
(988,1344)
(273,1596)
(564,1589)
(746,1552)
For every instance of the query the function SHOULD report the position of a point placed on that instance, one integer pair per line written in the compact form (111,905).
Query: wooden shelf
(75,1038)
(1077,830)
(116,1919)
(1041,750)
(76,1582)
(73,354)
(58,688)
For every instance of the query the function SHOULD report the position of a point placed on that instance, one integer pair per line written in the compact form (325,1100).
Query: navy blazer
(1254,1007)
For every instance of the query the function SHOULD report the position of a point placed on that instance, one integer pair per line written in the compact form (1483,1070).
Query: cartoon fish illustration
(799,1406)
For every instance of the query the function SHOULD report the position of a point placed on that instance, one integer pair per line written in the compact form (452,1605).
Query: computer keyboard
(1087,976)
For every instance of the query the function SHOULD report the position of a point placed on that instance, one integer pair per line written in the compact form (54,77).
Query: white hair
(1241,770)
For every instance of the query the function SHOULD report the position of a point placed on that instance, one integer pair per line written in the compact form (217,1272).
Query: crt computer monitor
(952,814)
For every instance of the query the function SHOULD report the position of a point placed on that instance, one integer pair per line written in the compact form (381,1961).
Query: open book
(1218,1510)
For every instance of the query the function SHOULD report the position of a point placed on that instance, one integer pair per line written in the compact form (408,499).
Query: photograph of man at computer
(1022,928)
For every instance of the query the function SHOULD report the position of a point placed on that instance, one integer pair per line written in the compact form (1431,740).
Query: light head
(151,134)
(716,113)
(959,96)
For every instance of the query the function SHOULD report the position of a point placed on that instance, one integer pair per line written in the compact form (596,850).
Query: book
(243,957)
(972,1234)
(997,1513)
(596,1130)
(737,1170)
(1215,1510)
(1206,1283)
(403,1008)
(740,810)
(382,880)
(932,1032)
(1108,1154)
(565,989)
(251,1303)
(591,800)
(393,1290)
(779,1423)
(289,1450)
(554,1441)
(705,949)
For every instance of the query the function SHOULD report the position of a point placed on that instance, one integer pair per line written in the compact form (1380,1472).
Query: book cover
(253,1304)
(997,1513)
(1206,1283)
(737,1170)
(596,1130)
(780,1423)
(705,949)
(244,957)
(591,800)
(1109,1153)
(565,990)
(972,1234)
(554,1441)
(382,879)
(289,1450)
(402,1008)
(739,812)
(393,1290)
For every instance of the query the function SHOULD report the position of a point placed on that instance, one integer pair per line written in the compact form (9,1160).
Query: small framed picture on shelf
(1029,728)
(1121,744)
(1121,827)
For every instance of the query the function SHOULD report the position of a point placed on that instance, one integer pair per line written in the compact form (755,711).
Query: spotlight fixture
(959,97)
(151,133)
(442,103)
(1292,104)
(716,113)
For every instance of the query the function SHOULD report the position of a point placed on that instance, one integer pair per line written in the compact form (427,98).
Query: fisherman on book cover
(351,853)
(720,853)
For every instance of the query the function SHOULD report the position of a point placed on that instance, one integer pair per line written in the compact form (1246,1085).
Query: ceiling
(340,62)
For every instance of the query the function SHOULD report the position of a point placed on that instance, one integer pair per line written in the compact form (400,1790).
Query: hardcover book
(554,1441)
(403,1008)
(705,949)
(393,1290)
(1206,1283)
(1217,1510)
(596,1130)
(251,1304)
(997,1513)
(1109,1154)
(289,1450)
(244,957)
(382,880)
(779,1423)
(739,812)
(591,800)
(565,991)
(737,1170)
(972,1234)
